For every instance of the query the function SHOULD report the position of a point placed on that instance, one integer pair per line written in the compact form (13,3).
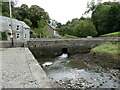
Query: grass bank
(111,48)
(109,34)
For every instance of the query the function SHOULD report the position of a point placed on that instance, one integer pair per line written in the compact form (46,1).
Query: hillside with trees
(105,19)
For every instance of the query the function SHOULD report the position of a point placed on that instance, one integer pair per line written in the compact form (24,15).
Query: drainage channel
(72,73)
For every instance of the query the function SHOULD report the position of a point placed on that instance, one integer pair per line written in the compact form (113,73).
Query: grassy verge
(107,48)
(114,33)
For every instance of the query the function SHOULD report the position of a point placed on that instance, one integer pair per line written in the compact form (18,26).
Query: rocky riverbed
(78,72)
(98,64)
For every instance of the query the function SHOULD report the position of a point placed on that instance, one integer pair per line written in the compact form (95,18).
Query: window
(25,28)
(9,24)
(25,36)
(17,27)
(17,35)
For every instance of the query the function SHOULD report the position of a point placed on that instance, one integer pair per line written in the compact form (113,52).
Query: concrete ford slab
(21,70)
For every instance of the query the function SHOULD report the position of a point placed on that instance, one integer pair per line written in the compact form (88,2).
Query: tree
(41,23)
(24,9)
(92,6)
(85,28)
(106,17)
(58,25)
(65,30)
(114,15)
(38,13)
(28,22)
(40,31)
(5,9)
(31,15)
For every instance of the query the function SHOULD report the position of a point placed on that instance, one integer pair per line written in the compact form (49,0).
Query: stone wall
(8,44)
(53,47)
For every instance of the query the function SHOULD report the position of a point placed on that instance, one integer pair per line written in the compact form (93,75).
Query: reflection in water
(75,73)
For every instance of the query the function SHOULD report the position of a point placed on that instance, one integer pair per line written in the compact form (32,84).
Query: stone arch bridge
(55,47)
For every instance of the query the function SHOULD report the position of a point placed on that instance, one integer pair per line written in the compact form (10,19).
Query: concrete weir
(21,70)
(55,47)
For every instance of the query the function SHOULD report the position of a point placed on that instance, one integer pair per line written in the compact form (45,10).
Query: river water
(72,73)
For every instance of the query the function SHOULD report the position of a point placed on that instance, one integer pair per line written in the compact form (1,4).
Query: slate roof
(51,26)
(24,24)
(6,20)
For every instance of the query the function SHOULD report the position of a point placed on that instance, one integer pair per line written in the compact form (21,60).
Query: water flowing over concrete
(63,56)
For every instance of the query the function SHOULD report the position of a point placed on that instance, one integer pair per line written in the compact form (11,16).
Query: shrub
(4,36)
(69,36)
(85,28)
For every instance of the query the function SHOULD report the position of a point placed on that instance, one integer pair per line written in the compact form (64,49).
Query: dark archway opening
(64,50)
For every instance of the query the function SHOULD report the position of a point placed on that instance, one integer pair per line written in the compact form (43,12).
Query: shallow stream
(71,73)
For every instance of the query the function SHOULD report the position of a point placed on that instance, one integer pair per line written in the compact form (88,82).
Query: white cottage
(21,31)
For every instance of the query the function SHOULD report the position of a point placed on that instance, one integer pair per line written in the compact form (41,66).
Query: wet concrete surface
(75,72)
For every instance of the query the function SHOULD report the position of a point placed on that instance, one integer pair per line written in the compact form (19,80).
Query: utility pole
(11,37)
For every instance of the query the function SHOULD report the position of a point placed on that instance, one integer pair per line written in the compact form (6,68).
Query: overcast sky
(60,10)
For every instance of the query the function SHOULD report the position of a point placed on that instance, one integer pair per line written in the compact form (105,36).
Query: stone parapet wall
(8,44)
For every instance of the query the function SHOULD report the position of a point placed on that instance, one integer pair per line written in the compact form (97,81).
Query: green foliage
(41,23)
(85,28)
(65,30)
(30,15)
(78,27)
(6,14)
(28,22)
(23,11)
(37,13)
(107,48)
(106,17)
(5,9)
(38,32)
(4,36)
(59,25)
